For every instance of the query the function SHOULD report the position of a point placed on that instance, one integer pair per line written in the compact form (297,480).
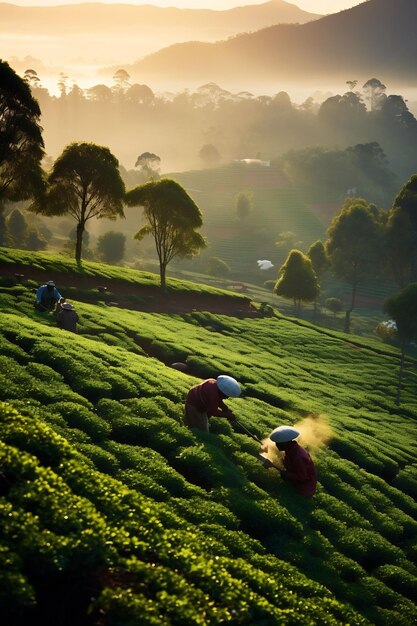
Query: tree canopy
(402,234)
(402,308)
(353,245)
(318,257)
(21,143)
(111,246)
(84,182)
(172,217)
(298,279)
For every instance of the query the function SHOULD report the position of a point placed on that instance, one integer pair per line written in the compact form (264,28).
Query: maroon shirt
(206,397)
(300,470)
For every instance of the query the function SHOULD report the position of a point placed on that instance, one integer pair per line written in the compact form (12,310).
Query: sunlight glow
(313,6)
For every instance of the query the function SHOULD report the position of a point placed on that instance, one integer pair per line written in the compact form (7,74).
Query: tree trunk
(2,225)
(347,321)
(352,302)
(79,243)
(162,273)
(349,311)
(400,374)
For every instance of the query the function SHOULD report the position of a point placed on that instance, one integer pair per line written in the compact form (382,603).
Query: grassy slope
(277,207)
(105,494)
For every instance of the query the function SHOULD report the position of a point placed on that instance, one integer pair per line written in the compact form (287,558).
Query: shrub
(200,510)
(78,416)
(16,593)
(398,579)
(102,460)
(143,483)
(368,548)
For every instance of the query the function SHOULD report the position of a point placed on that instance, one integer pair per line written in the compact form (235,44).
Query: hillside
(112,512)
(372,39)
(95,30)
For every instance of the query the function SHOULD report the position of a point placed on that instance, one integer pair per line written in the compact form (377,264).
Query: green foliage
(298,279)
(217,267)
(354,242)
(335,305)
(103,483)
(403,309)
(401,234)
(111,247)
(21,143)
(84,182)
(172,219)
(78,416)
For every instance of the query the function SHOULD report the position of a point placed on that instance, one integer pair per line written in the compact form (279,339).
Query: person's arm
(39,294)
(57,295)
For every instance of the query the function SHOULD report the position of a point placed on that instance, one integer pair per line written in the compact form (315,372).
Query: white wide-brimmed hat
(229,386)
(283,434)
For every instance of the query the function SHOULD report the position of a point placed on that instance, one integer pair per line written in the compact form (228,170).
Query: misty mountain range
(376,38)
(122,33)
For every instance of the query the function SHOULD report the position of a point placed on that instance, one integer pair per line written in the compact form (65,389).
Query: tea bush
(169,499)
(201,510)
(80,417)
(367,548)
(101,459)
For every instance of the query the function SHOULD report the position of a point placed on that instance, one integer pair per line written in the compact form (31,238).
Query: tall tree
(375,93)
(149,164)
(17,229)
(244,204)
(172,217)
(353,245)
(84,182)
(402,308)
(297,280)
(21,143)
(401,234)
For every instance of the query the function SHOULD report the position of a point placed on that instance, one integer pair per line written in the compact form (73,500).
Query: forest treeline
(211,126)
(364,240)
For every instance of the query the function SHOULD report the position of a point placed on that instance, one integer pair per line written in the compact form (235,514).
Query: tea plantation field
(113,513)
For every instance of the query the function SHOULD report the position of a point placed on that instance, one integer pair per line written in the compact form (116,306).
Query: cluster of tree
(362,169)
(85,182)
(222,126)
(363,242)
(20,233)
(21,142)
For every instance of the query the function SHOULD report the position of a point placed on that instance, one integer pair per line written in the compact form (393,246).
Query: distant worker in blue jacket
(47,296)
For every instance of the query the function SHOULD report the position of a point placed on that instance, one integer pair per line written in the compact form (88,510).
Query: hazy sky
(314,6)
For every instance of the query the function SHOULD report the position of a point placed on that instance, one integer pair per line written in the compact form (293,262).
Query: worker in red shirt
(299,468)
(206,399)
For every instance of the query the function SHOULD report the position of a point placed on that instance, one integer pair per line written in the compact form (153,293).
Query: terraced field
(113,512)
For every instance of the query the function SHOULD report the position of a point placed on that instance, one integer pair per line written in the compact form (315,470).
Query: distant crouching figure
(67,317)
